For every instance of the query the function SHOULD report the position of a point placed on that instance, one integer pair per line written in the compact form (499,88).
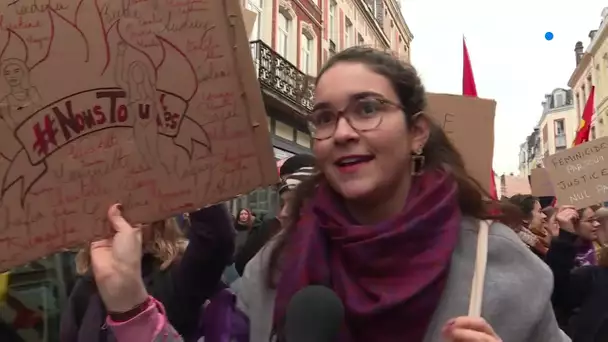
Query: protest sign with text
(154,104)
(580,174)
(469,122)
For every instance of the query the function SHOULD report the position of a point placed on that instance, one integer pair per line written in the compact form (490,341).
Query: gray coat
(517,290)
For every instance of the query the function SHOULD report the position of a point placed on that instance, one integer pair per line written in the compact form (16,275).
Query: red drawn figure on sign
(133,95)
(140,85)
(21,94)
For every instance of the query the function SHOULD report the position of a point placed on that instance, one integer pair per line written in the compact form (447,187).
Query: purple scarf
(585,254)
(390,276)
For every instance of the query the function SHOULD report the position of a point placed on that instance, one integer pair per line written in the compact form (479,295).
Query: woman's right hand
(566,216)
(116,264)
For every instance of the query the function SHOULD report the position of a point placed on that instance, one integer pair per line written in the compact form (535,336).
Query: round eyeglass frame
(343,112)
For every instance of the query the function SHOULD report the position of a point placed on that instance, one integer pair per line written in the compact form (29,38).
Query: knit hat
(291,181)
(295,163)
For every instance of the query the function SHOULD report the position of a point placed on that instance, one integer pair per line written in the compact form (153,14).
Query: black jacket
(256,239)
(580,295)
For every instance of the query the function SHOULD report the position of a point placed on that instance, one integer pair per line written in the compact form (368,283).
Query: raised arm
(134,316)
(196,278)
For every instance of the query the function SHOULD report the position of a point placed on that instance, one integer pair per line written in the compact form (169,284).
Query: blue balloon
(549,35)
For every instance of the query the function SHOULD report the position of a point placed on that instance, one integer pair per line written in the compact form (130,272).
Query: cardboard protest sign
(541,183)
(154,104)
(469,122)
(580,174)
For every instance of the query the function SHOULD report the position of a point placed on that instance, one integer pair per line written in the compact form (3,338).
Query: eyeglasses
(362,114)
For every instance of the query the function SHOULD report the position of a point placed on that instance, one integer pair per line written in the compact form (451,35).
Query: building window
(559,99)
(283,130)
(375,6)
(306,58)
(584,99)
(332,48)
(303,139)
(360,40)
(332,20)
(560,133)
(256,7)
(593,133)
(559,127)
(348,34)
(283,42)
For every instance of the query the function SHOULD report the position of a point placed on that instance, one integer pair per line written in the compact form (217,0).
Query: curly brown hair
(439,152)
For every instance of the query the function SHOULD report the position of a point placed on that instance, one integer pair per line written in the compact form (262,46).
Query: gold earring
(417,162)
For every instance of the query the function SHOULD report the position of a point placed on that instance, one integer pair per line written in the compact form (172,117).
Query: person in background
(255,289)
(587,228)
(390,224)
(260,235)
(180,277)
(580,294)
(243,224)
(531,227)
(602,232)
(551,225)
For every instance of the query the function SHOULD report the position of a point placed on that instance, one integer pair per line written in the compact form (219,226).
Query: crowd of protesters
(384,213)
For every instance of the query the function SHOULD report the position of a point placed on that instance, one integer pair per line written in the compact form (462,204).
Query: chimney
(592,34)
(578,52)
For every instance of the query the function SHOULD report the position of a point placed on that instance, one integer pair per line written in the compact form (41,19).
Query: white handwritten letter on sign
(153,103)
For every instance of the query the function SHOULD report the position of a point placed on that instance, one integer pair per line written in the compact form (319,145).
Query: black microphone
(314,314)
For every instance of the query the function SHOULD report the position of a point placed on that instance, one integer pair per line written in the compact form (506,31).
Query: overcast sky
(512,61)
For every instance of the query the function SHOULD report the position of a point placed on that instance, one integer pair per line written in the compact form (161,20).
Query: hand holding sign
(116,264)
(567,217)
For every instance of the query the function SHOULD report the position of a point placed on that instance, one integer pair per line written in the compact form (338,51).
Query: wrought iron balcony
(277,74)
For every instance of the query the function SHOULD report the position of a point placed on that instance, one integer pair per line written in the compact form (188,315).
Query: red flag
(470,89)
(582,134)
(468,79)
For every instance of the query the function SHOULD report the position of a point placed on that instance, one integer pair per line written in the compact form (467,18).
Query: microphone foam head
(315,313)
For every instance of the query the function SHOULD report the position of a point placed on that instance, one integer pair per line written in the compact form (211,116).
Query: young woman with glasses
(390,224)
